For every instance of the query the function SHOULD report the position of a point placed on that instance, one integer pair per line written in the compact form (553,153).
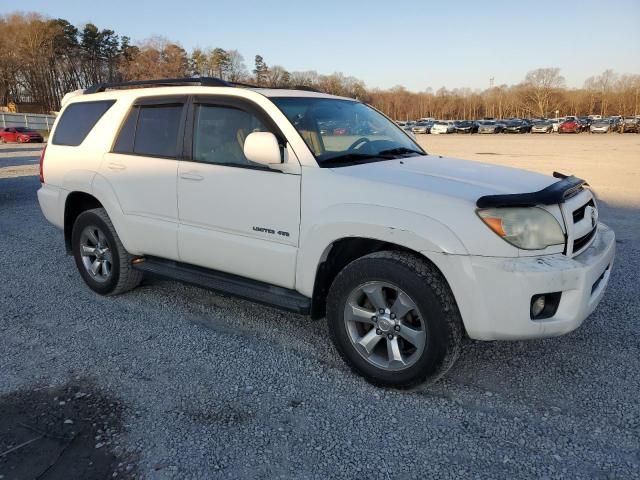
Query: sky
(418,44)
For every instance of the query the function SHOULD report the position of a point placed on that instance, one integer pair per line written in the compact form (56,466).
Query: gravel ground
(220,388)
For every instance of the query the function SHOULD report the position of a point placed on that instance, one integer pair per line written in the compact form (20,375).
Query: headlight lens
(529,228)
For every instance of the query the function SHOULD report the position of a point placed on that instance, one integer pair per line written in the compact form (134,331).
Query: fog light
(544,305)
(537,306)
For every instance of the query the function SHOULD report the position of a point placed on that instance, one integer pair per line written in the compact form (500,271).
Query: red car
(19,134)
(570,126)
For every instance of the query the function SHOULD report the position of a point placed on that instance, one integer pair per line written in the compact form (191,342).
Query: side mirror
(262,148)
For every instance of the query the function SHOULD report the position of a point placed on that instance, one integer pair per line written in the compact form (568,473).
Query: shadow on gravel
(68,432)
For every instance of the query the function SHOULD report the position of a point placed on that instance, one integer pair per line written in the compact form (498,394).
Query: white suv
(320,205)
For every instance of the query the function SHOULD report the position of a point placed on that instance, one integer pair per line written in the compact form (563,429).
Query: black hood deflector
(551,195)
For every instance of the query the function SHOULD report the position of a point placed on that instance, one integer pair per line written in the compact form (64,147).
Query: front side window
(344,132)
(219,134)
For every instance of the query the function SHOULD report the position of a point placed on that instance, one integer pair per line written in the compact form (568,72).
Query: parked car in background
(556,123)
(465,126)
(490,126)
(629,125)
(570,126)
(600,126)
(408,127)
(517,126)
(442,127)
(585,122)
(422,127)
(19,134)
(544,126)
(615,123)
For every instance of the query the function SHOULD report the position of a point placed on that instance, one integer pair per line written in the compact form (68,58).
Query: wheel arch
(76,202)
(339,254)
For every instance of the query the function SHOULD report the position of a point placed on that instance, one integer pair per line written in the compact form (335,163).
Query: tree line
(41,59)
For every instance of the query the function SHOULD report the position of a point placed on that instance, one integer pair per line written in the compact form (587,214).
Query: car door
(236,216)
(142,169)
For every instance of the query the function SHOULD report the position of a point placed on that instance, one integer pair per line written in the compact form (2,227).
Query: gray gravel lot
(221,388)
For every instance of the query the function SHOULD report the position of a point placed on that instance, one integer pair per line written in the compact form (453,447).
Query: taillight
(41,163)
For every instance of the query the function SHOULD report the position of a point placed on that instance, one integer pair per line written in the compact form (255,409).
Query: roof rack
(162,82)
(175,82)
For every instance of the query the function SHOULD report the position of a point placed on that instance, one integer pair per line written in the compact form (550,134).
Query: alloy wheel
(96,253)
(385,326)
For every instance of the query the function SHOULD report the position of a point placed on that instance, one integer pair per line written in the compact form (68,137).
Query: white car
(442,127)
(236,189)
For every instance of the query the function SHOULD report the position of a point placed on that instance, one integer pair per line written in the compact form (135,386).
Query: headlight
(528,228)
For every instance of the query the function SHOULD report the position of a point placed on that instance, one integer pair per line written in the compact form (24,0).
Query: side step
(227,283)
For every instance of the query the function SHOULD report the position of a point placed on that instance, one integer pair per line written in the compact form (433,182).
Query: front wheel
(393,319)
(100,256)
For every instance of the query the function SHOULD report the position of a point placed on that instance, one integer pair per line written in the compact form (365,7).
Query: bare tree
(237,69)
(542,85)
(155,58)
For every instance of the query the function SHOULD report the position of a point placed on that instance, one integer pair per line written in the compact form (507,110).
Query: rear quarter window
(77,120)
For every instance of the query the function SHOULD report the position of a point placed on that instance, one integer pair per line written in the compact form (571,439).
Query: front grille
(581,242)
(578,214)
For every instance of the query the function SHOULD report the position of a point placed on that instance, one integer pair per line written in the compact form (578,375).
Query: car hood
(462,179)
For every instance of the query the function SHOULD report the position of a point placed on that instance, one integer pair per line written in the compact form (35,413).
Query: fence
(36,121)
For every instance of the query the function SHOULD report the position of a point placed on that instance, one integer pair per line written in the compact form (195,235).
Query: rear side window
(77,120)
(151,130)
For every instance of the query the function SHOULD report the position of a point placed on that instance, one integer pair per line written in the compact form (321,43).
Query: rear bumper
(494,294)
(51,200)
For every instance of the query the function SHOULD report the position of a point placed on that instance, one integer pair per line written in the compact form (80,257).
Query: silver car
(600,126)
(422,127)
(490,126)
(542,127)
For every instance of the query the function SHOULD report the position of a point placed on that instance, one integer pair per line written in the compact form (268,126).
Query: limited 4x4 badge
(271,231)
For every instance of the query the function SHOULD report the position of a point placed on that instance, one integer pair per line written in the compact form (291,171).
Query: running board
(227,283)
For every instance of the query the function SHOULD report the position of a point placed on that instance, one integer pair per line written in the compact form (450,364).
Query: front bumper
(501,291)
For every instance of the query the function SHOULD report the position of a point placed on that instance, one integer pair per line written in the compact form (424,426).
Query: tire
(93,229)
(434,319)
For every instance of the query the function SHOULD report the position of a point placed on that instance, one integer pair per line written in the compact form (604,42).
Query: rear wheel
(393,319)
(100,257)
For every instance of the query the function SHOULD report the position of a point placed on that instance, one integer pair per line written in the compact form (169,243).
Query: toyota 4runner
(320,205)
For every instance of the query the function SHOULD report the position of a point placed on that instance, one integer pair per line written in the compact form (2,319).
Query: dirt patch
(66,433)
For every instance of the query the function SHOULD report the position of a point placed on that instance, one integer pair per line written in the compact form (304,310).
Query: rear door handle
(195,176)
(116,166)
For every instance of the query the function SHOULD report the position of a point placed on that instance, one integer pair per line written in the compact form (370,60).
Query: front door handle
(195,176)
(116,166)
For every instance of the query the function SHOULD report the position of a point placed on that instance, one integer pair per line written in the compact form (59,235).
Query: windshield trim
(370,159)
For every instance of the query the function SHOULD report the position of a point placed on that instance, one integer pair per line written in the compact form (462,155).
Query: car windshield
(345,132)
(23,130)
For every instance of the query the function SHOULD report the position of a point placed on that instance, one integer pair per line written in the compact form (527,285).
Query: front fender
(416,232)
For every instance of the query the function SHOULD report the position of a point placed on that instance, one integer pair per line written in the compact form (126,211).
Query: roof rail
(204,81)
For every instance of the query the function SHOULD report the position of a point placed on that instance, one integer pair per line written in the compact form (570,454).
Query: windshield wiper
(399,151)
(348,159)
